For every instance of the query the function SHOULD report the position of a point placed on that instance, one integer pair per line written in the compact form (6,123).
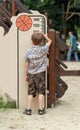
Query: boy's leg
(28,110)
(40,88)
(31,90)
(31,93)
(41,110)
(41,101)
(30,97)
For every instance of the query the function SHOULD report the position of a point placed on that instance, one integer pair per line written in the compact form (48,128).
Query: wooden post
(50,23)
(52,57)
(13,10)
(57,49)
(46,15)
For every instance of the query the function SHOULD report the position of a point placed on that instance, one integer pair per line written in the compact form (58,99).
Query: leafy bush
(5,105)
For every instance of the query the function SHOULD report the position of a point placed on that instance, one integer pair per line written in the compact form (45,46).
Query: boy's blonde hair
(37,38)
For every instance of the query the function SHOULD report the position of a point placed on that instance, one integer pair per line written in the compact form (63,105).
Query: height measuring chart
(26,25)
(33,22)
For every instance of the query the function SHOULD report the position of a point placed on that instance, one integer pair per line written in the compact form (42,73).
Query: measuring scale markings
(39,24)
(30,24)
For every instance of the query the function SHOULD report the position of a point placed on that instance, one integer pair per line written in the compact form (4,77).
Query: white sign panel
(26,25)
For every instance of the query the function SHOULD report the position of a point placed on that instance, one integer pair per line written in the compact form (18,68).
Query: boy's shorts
(36,83)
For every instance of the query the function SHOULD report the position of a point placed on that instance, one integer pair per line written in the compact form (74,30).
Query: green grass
(6,105)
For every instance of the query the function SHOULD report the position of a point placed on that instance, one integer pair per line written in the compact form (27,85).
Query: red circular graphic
(24,23)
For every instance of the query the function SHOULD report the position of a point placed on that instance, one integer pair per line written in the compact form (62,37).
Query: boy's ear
(32,42)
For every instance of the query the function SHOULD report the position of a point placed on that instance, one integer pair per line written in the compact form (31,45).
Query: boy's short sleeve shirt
(37,58)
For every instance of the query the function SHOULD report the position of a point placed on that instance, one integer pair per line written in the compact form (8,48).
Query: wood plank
(52,83)
(6,28)
(70,73)
(61,44)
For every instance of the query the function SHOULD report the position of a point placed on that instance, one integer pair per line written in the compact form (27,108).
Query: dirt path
(65,116)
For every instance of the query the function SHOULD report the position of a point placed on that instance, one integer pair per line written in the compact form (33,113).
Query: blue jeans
(69,55)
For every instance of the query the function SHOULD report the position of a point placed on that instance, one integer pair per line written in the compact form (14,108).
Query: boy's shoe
(44,110)
(41,112)
(27,111)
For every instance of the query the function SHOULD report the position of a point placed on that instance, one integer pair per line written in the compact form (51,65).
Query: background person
(72,47)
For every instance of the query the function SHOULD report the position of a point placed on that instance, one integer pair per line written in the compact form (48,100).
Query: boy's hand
(43,34)
(49,41)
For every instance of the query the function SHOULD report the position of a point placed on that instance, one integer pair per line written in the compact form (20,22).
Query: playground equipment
(56,67)
(9,8)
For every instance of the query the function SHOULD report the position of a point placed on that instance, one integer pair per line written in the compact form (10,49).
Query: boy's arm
(47,39)
(26,69)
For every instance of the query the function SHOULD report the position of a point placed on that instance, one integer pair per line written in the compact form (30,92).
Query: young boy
(36,65)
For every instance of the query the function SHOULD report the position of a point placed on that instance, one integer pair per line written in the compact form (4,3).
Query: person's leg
(41,101)
(40,88)
(28,110)
(68,56)
(31,90)
(31,93)
(76,56)
(41,110)
(30,97)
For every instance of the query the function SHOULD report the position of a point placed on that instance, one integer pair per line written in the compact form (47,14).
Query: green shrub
(1,102)
(5,105)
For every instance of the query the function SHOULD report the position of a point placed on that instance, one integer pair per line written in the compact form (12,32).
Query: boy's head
(37,38)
